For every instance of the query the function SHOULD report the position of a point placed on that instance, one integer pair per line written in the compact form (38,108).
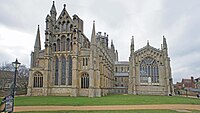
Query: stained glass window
(63,43)
(38,80)
(63,76)
(70,71)
(56,71)
(58,44)
(149,72)
(85,81)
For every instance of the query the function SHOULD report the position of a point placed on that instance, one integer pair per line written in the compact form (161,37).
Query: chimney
(192,78)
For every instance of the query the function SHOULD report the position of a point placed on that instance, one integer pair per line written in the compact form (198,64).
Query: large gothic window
(149,72)
(63,76)
(37,80)
(70,70)
(85,81)
(63,43)
(56,70)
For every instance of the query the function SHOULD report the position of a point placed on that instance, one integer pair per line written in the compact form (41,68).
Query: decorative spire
(111,42)
(93,37)
(112,46)
(37,40)
(116,52)
(147,42)
(164,42)
(53,9)
(64,8)
(132,42)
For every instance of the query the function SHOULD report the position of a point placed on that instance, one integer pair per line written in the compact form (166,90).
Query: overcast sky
(178,20)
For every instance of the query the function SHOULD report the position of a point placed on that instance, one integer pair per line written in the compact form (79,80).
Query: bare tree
(22,76)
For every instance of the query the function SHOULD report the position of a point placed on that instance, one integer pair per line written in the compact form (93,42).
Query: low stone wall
(60,91)
(83,92)
(37,92)
(151,90)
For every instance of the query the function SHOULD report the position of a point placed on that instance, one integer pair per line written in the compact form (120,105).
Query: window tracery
(149,72)
(63,76)
(85,81)
(38,80)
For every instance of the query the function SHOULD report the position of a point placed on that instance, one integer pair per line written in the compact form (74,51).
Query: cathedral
(72,65)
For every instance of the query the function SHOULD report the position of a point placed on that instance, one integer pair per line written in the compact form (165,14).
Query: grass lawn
(106,100)
(112,111)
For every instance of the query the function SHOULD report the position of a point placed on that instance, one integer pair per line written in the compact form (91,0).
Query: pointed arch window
(68,44)
(37,80)
(63,76)
(149,72)
(70,70)
(68,26)
(85,81)
(56,70)
(86,61)
(64,26)
(54,47)
(58,45)
(63,43)
(71,46)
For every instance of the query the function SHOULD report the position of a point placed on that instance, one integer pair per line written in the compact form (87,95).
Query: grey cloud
(23,16)
(146,20)
(4,57)
(9,54)
(110,11)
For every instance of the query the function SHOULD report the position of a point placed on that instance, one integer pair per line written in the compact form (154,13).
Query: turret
(53,13)
(48,41)
(164,43)
(78,22)
(164,48)
(112,46)
(48,23)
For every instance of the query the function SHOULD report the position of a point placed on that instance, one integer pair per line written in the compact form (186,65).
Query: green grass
(112,111)
(107,100)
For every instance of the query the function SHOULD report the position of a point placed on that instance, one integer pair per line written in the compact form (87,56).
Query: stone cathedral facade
(71,65)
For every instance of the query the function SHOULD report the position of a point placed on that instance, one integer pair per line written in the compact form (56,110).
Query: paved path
(110,107)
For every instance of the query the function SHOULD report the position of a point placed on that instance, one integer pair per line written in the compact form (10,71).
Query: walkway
(109,107)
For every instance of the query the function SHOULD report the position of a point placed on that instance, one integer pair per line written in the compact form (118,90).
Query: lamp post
(16,65)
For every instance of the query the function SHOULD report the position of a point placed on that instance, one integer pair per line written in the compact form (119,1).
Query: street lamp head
(16,64)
